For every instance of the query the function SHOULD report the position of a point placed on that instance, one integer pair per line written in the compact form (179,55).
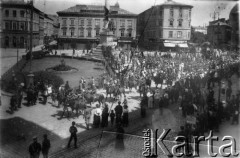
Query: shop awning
(183,45)
(169,45)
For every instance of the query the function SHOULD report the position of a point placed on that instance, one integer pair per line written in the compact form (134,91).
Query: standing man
(73,131)
(118,111)
(34,148)
(87,116)
(45,146)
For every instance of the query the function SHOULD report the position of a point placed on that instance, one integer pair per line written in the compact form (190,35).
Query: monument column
(106,37)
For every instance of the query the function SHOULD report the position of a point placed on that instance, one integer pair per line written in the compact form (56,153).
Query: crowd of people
(188,80)
(185,76)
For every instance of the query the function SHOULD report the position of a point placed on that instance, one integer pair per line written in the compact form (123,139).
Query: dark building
(234,23)
(219,33)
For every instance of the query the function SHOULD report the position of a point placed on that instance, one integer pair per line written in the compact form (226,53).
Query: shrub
(39,76)
(62,67)
(48,77)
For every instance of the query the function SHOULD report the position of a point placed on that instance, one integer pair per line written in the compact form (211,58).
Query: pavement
(40,119)
(8,58)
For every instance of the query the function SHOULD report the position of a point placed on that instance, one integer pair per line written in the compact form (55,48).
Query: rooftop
(95,9)
(220,23)
(173,3)
(18,4)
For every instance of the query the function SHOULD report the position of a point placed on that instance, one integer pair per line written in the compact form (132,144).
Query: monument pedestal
(106,38)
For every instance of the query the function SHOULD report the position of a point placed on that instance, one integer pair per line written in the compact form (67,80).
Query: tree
(198,37)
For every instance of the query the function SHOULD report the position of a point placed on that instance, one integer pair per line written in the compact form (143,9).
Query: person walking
(96,117)
(112,117)
(73,131)
(105,116)
(34,148)
(45,146)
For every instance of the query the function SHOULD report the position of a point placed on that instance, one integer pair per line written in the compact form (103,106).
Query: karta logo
(181,147)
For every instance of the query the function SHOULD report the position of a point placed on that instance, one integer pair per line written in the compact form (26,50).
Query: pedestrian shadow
(26,104)
(66,115)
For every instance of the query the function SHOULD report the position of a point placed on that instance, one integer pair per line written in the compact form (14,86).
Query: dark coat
(46,145)
(35,148)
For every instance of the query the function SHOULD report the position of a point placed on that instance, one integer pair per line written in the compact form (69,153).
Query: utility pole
(31,34)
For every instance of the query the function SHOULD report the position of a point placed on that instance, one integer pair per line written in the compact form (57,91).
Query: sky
(201,13)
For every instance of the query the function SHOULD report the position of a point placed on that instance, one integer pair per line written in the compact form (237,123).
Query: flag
(107,9)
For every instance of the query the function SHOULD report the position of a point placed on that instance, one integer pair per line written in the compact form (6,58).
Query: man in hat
(73,131)
(34,148)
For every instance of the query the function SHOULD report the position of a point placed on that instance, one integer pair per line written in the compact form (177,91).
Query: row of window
(180,23)
(81,22)
(14,13)
(20,25)
(15,42)
(19,13)
(180,12)
(89,32)
(16,25)
(159,22)
(179,34)
(170,34)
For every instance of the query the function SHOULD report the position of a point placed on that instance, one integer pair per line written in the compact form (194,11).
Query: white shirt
(49,90)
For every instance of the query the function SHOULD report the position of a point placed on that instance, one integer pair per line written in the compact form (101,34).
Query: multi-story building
(219,33)
(81,25)
(234,23)
(165,25)
(48,26)
(56,25)
(15,24)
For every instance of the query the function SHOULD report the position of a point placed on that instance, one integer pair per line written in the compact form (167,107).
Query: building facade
(15,24)
(56,25)
(81,25)
(234,23)
(48,26)
(219,33)
(165,26)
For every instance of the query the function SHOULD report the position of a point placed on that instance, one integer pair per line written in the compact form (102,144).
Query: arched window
(7,41)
